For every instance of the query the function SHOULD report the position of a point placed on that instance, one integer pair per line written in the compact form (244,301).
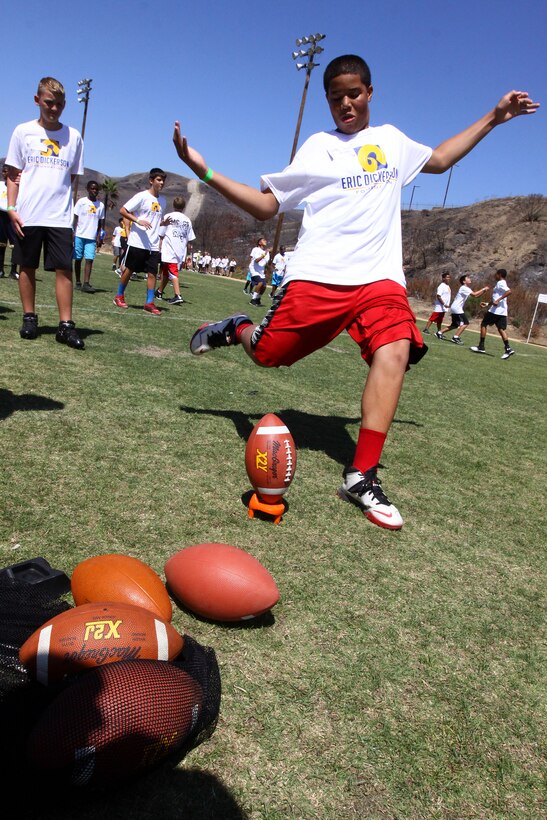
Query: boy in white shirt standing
(88,225)
(43,158)
(260,256)
(442,304)
(496,314)
(457,309)
(346,272)
(175,237)
(144,211)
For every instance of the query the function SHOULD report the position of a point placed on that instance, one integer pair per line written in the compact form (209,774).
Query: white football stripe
(268,491)
(42,654)
(161,637)
(271,431)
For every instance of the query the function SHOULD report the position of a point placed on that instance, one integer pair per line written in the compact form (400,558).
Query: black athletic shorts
(139,260)
(458,320)
(7,233)
(56,242)
(490,318)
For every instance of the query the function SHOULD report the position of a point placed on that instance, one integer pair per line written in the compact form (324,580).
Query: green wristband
(11,208)
(208,175)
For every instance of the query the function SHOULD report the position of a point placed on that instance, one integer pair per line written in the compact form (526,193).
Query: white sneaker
(365,491)
(508,353)
(476,349)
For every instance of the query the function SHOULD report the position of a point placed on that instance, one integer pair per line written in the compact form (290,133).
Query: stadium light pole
(84,89)
(312,41)
(448,183)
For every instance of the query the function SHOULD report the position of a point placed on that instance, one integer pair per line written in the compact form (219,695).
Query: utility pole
(314,48)
(412,196)
(448,183)
(84,89)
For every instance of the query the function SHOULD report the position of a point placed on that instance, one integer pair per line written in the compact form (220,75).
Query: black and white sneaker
(477,349)
(176,300)
(29,328)
(426,331)
(440,336)
(67,335)
(508,352)
(255,303)
(158,294)
(218,334)
(456,340)
(365,491)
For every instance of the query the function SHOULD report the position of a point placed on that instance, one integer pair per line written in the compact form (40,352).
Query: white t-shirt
(89,215)
(500,289)
(259,260)
(350,185)
(460,299)
(176,236)
(46,159)
(279,263)
(145,206)
(116,237)
(3,196)
(443,298)
(224,263)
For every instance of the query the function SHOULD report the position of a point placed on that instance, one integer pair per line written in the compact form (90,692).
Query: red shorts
(436,315)
(170,269)
(308,315)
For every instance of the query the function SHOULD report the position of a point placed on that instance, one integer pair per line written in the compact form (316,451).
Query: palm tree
(109,187)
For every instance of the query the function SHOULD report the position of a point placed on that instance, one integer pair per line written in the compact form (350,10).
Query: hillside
(509,233)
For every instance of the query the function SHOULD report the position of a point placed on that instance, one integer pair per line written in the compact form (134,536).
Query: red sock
(240,328)
(369,449)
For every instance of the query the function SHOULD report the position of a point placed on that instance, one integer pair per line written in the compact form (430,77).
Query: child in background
(457,309)
(174,241)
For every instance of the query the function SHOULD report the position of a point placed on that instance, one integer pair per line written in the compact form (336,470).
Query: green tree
(109,187)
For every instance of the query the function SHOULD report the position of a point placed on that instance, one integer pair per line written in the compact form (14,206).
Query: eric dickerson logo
(51,148)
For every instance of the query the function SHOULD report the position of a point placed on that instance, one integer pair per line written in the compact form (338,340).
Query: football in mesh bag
(97,634)
(120,578)
(115,720)
(221,582)
(270,458)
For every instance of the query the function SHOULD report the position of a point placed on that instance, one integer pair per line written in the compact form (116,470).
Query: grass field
(402,674)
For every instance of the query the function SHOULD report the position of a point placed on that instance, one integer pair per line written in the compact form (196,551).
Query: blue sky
(225,70)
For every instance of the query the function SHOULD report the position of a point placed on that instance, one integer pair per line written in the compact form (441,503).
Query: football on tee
(115,720)
(96,634)
(270,458)
(221,582)
(120,578)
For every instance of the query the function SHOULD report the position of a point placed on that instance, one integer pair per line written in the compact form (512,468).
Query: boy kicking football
(346,271)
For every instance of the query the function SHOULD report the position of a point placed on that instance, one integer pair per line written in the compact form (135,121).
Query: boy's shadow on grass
(326,434)
(185,793)
(4,309)
(84,332)
(9,403)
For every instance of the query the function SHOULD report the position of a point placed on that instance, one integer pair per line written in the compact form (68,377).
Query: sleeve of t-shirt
(78,164)
(15,154)
(133,203)
(191,234)
(290,185)
(412,158)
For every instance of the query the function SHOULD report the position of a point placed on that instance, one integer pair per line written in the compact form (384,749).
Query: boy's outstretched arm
(260,204)
(511,105)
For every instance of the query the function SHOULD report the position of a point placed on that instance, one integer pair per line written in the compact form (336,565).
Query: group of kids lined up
(345,273)
(496,313)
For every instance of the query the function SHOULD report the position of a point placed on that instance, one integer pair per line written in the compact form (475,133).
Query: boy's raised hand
(513,104)
(188,155)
